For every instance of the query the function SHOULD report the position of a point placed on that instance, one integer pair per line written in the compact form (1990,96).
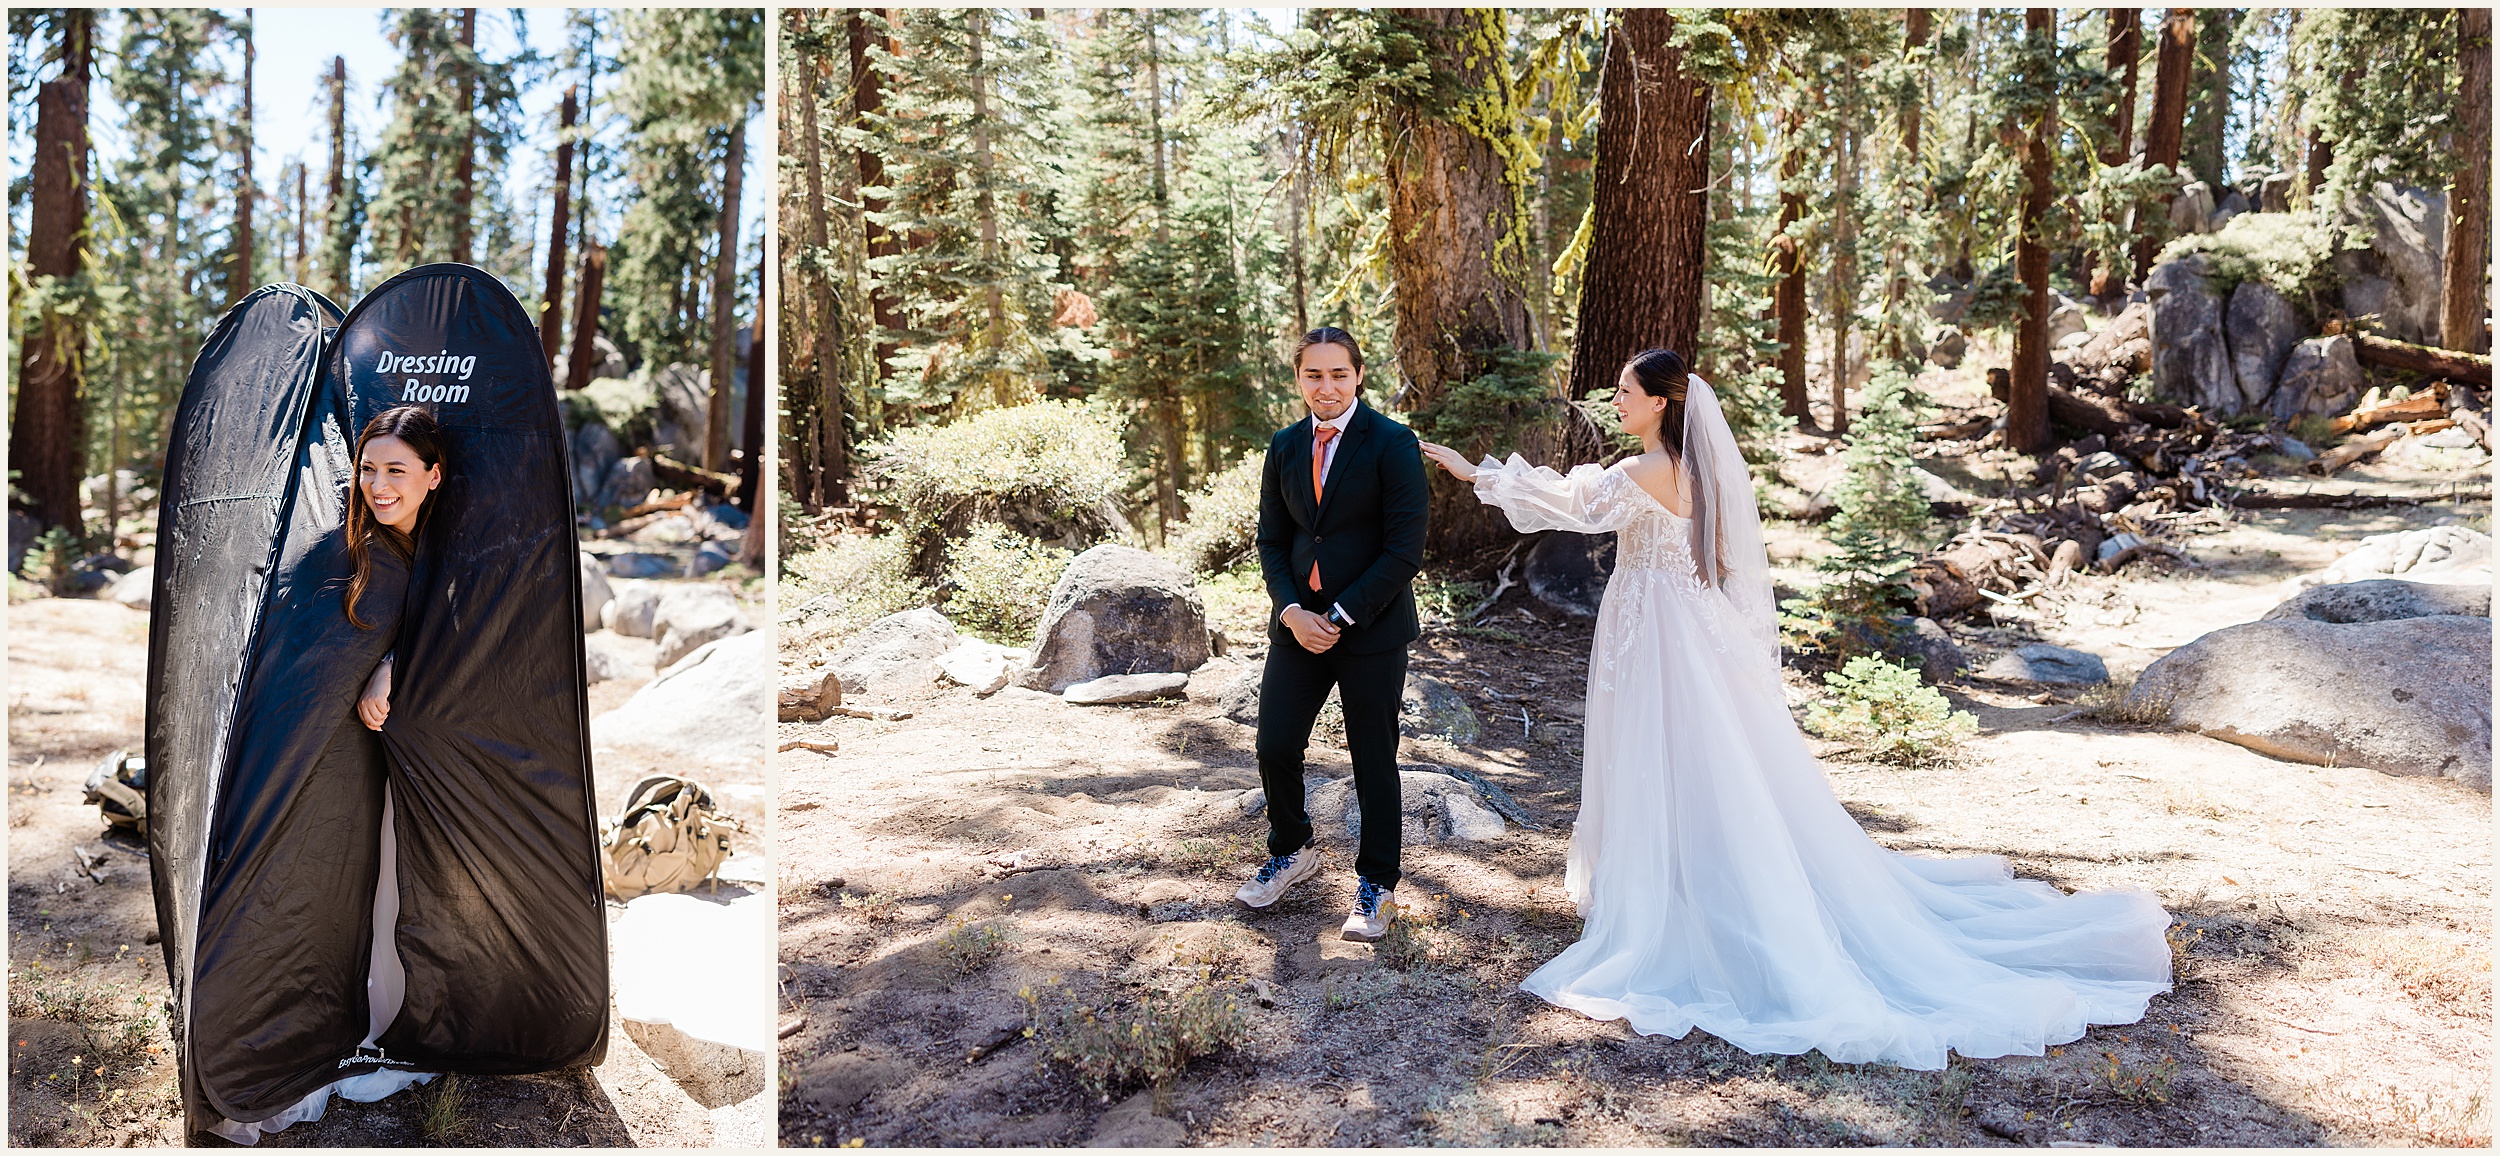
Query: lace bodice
(1593,500)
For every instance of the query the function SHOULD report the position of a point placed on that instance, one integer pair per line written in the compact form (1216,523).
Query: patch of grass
(2137,1083)
(1470,1119)
(2445,974)
(972,946)
(1417,942)
(2116,702)
(1890,712)
(1345,991)
(443,1107)
(1111,1045)
(880,907)
(2183,941)
(2181,799)
(1210,855)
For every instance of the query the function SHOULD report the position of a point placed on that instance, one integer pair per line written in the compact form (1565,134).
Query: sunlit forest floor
(2332,934)
(90,1061)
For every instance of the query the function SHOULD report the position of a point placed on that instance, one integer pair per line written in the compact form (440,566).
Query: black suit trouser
(1291,691)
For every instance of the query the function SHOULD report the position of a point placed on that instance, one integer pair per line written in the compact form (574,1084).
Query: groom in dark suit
(1341,535)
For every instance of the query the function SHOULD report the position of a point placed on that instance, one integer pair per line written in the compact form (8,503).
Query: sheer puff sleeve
(1588,500)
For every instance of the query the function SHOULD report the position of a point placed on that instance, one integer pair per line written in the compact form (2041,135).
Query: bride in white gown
(1721,883)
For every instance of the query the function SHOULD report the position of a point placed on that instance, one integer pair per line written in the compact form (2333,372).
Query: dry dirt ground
(2332,927)
(89,1057)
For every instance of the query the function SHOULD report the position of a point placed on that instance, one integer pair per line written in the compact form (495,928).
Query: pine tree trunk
(303,189)
(868,99)
(724,307)
(243,187)
(1650,207)
(586,311)
(340,255)
(1915,25)
(751,423)
(2162,131)
(833,446)
(1788,299)
(993,299)
(464,182)
(1844,297)
(1174,476)
(48,430)
(2209,111)
(2126,47)
(1297,201)
(2466,295)
(2027,402)
(551,311)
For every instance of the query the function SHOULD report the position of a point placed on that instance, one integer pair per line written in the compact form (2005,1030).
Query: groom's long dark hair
(1662,373)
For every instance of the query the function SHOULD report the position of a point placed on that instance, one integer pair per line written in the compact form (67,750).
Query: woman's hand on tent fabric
(374,706)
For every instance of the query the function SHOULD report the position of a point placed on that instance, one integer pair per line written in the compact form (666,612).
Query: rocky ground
(948,874)
(88,1055)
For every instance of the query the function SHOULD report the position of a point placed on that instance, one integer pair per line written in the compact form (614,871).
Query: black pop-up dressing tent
(266,793)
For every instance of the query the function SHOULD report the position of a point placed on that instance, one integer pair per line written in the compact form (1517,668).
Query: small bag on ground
(670,837)
(119,788)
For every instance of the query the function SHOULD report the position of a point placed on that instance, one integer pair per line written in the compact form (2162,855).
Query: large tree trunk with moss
(1650,205)
(1788,298)
(2467,293)
(2027,401)
(1450,214)
(48,430)
(2172,63)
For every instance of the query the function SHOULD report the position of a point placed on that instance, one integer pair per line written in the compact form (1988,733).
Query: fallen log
(2355,450)
(691,477)
(2418,407)
(2421,359)
(2090,413)
(2353,501)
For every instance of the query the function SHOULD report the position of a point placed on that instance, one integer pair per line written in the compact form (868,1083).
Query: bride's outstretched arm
(1590,499)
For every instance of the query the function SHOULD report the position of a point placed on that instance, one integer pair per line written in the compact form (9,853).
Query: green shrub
(53,559)
(1223,524)
(2289,251)
(972,946)
(869,577)
(1110,1047)
(1887,709)
(998,582)
(1052,471)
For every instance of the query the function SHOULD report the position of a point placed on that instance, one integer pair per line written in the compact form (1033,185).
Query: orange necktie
(1320,437)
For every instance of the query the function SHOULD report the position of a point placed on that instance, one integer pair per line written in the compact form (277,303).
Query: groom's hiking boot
(1277,874)
(1374,907)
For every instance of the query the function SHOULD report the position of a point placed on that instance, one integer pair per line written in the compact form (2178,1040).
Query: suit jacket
(1366,534)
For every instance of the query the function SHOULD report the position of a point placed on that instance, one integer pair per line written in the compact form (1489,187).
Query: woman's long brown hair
(1662,373)
(415,425)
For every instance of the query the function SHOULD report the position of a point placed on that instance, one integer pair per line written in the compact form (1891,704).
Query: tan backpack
(670,837)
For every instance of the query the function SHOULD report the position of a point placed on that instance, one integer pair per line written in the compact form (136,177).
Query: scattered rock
(595,453)
(642,564)
(631,609)
(1111,689)
(2192,210)
(136,590)
(596,593)
(839,1082)
(2383,600)
(2449,555)
(1117,610)
(1947,346)
(602,661)
(1239,700)
(1433,808)
(898,649)
(2261,329)
(2041,662)
(983,666)
(691,616)
(2065,321)
(1926,646)
(1568,571)
(2233,204)
(2191,360)
(2274,193)
(1430,706)
(2399,276)
(2319,376)
(708,557)
(711,709)
(22,533)
(630,482)
(2407,697)
(809,697)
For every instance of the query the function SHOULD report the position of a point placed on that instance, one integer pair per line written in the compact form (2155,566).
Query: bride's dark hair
(415,425)
(1662,373)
